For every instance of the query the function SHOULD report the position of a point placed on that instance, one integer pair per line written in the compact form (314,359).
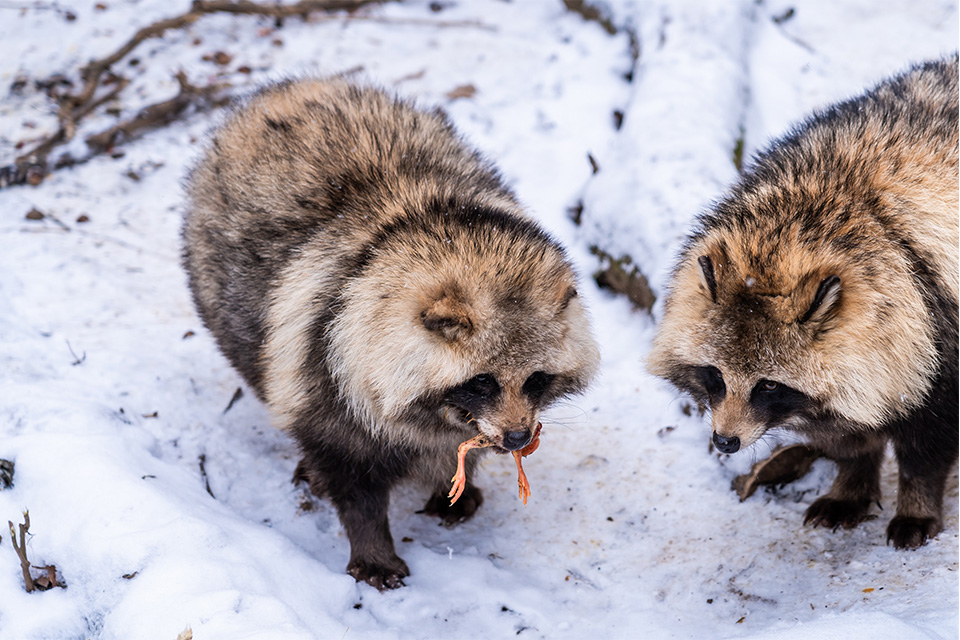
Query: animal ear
(824,300)
(708,277)
(448,316)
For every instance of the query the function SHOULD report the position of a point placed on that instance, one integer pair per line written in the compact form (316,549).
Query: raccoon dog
(382,290)
(820,295)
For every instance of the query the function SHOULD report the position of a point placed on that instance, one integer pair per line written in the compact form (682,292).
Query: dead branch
(190,98)
(21,549)
(158,115)
(33,166)
(233,400)
(203,474)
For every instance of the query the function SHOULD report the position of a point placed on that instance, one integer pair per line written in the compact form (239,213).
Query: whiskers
(564,414)
(773,439)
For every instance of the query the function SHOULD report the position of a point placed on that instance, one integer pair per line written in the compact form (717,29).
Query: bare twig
(592,13)
(203,474)
(157,115)
(21,549)
(233,400)
(32,166)
(76,359)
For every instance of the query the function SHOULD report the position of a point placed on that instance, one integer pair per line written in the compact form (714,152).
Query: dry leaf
(463,91)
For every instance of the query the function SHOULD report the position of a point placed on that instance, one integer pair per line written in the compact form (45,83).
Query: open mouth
(465,419)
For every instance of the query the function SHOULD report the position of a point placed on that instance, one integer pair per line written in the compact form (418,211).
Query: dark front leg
(373,558)
(362,498)
(857,485)
(919,509)
(926,448)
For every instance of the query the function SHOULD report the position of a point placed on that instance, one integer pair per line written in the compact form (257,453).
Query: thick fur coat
(821,295)
(382,290)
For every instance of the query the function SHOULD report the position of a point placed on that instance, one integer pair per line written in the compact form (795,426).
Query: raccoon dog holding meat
(382,290)
(820,296)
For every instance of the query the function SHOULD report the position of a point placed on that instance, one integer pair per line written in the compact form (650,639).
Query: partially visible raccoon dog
(385,294)
(820,296)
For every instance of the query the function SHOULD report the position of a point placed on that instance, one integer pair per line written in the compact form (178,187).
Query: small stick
(76,359)
(236,396)
(153,116)
(21,549)
(203,474)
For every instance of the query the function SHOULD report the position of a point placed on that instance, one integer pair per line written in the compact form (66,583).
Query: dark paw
(463,509)
(909,533)
(834,514)
(382,576)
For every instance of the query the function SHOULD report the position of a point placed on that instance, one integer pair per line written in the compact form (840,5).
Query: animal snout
(513,440)
(725,444)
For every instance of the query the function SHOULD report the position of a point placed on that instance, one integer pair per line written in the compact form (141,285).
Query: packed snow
(165,502)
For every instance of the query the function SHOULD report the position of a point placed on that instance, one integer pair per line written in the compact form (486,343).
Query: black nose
(513,440)
(725,444)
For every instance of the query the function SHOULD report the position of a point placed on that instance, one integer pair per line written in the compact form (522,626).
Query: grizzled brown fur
(375,282)
(821,296)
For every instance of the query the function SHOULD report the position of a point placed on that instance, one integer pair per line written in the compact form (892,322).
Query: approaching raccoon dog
(382,290)
(820,295)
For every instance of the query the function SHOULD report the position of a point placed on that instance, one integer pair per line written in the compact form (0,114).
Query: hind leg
(856,487)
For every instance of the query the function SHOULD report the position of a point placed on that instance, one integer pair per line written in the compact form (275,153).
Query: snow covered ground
(111,390)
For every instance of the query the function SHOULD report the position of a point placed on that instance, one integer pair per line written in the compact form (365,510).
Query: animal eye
(536,385)
(483,385)
(712,380)
(768,385)
(777,400)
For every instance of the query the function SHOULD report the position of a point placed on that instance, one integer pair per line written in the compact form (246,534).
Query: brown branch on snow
(158,115)
(203,474)
(21,550)
(49,578)
(148,118)
(32,166)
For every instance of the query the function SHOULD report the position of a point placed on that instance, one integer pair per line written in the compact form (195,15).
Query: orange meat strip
(478,442)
